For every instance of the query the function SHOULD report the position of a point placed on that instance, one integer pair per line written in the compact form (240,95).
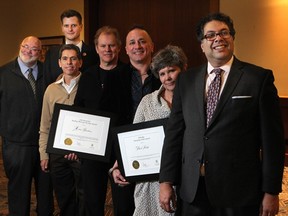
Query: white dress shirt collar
(70,87)
(79,45)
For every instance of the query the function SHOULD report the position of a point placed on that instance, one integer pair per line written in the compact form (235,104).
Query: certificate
(82,131)
(139,150)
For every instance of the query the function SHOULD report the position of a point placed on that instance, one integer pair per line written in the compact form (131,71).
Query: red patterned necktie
(213,94)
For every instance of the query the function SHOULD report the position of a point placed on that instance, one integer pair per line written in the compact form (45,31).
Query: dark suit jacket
(51,66)
(246,120)
(19,111)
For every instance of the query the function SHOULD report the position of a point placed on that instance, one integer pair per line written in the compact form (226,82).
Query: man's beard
(26,60)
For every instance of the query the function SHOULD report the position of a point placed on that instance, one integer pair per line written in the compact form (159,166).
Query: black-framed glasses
(212,35)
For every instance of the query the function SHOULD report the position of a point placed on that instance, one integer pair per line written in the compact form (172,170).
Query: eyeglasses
(212,35)
(33,49)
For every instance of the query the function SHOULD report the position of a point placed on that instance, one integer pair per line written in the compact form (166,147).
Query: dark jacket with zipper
(19,109)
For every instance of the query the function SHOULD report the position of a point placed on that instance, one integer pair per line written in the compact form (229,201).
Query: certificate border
(132,127)
(50,145)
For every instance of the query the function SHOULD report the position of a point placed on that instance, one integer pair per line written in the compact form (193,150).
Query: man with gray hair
(21,93)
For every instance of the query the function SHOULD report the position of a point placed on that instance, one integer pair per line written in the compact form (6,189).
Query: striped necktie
(213,94)
(32,80)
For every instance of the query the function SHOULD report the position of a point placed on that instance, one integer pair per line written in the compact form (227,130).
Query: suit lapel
(197,91)
(231,83)
(200,87)
(84,49)
(40,70)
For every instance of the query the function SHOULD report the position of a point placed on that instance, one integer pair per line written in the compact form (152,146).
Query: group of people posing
(230,164)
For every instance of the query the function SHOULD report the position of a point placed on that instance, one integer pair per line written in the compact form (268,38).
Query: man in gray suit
(231,165)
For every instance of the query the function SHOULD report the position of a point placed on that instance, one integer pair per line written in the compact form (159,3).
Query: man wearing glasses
(224,143)
(21,93)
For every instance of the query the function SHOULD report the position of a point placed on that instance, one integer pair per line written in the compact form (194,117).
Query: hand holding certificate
(140,148)
(79,130)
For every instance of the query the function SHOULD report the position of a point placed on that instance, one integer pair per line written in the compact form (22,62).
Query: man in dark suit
(233,164)
(71,25)
(21,93)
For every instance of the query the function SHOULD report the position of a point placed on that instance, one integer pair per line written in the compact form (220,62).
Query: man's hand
(44,165)
(117,176)
(71,156)
(270,205)
(167,197)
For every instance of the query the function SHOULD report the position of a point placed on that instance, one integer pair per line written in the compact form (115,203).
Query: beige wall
(19,19)
(261,27)
(261,35)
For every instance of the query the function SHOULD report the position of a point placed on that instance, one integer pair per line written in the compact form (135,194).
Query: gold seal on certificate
(68,141)
(135,164)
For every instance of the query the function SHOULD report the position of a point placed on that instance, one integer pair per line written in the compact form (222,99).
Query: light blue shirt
(24,69)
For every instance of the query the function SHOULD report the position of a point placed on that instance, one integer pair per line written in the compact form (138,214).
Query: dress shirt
(79,45)
(24,69)
(139,89)
(70,87)
(210,76)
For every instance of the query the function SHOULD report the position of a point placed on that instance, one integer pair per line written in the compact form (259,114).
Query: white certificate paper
(81,132)
(141,150)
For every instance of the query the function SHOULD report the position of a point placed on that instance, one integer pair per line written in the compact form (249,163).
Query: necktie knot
(213,94)
(30,74)
(217,71)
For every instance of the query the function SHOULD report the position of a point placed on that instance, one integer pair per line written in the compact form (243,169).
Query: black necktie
(32,80)
(213,94)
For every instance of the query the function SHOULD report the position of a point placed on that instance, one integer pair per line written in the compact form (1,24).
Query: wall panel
(168,22)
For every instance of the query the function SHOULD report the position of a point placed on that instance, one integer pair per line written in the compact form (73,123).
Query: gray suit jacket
(247,119)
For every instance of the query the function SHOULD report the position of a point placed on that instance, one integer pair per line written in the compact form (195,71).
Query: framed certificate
(139,148)
(82,131)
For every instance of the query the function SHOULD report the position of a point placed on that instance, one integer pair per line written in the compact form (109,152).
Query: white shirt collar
(226,67)
(70,87)
(79,45)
